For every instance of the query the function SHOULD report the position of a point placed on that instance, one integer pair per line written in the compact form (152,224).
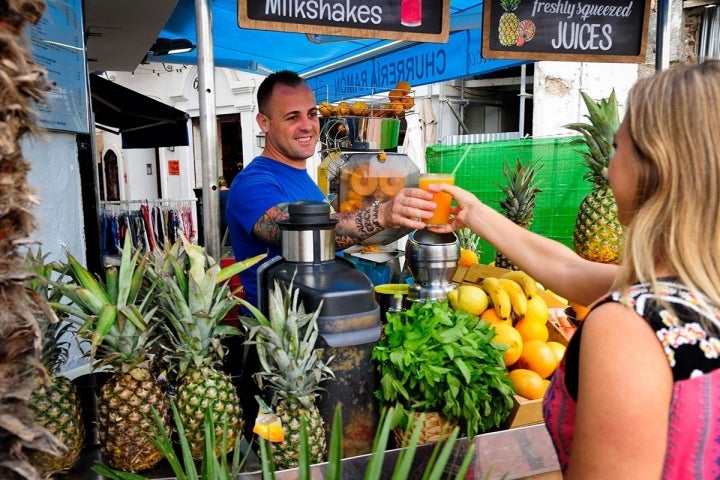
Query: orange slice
(526,29)
(391,185)
(269,427)
(361,183)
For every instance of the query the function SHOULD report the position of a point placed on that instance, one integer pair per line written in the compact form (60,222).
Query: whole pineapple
(119,320)
(195,300)
(291,370)
(508,27)
(54,399)
(598,233)
(520,191)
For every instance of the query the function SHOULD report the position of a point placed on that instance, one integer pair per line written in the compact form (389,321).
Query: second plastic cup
(442,212)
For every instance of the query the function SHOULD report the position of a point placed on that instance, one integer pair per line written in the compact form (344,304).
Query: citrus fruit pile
(399,100)
(519,315)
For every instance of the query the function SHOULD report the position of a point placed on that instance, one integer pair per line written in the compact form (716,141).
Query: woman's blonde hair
(674,118)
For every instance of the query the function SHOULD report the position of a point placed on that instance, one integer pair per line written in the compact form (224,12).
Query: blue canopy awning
(315,56)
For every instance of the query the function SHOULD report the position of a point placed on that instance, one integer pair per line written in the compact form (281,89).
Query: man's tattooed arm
(267,228)
(354,227)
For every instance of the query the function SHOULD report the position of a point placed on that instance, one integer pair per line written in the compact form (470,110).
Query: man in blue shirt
(260,194)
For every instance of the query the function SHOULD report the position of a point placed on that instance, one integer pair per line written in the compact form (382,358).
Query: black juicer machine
(349,320)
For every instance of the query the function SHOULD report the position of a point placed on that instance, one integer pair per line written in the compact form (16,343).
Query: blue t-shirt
(261,185)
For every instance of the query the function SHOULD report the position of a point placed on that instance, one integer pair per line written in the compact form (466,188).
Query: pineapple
(292,371)
(195,301)
(518,205)
(469,242)
(121,334)
(598,234)
(54,400)
(508,27)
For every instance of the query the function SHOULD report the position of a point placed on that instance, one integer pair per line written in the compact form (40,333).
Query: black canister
(349,320)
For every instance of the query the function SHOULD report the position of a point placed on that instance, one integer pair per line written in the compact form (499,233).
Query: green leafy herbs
(433,358)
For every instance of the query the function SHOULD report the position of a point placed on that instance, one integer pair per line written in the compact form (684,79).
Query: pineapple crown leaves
(468,239)
(195,297)
(509,5)
(520,191)
(598,136)
(286,346)
(40,283)
(110,312)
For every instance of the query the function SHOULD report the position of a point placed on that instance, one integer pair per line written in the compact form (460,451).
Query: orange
(507,335)
(491,316)
(396,108)
(558,349)
(395,94)
(403,86)
(467,258)
(408,102)
(527,383)
(532,330)
(537,309)
(539,357)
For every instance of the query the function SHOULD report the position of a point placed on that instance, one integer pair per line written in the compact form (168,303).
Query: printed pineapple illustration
(508,27)
(598,233)
(291,371)
(519,204)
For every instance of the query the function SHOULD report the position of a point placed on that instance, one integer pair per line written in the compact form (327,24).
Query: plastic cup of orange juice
(441,215)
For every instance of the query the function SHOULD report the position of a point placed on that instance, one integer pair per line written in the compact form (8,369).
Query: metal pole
(523,94)
(208,128)
(662,49)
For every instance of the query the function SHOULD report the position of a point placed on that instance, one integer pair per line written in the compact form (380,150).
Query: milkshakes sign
(592,30)
(409,20)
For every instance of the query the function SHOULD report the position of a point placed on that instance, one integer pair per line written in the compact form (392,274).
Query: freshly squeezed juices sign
(589,31)
(409,20)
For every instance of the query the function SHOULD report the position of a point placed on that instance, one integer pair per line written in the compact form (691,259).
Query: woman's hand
(466,203)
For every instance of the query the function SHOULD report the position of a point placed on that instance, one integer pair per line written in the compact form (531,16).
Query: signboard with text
(566,30)
(58,46)
(408,20)
(419,64)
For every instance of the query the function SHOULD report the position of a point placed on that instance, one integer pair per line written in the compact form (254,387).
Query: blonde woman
(638,393)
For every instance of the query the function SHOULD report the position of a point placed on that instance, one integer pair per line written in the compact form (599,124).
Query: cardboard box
(524,412)
(476,273)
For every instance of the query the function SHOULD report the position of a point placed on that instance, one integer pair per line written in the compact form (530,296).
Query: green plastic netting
(560,179)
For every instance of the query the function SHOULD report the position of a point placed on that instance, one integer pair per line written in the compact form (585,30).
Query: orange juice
(442,212)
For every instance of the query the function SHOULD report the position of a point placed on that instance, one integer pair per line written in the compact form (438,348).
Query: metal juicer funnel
(432,259)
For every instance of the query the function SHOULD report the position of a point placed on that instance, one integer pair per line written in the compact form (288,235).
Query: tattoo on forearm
(266,228)
(366,220)
(354,227)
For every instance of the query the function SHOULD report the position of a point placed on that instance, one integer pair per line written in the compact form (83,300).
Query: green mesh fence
(560,179)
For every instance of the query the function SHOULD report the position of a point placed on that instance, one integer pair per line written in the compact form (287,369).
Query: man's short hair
(283,77)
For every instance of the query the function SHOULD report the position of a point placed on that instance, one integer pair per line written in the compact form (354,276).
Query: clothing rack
(149,222)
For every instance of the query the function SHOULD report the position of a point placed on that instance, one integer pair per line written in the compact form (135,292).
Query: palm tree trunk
(22,83)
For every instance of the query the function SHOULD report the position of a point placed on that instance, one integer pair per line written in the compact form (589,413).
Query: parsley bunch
(433,358)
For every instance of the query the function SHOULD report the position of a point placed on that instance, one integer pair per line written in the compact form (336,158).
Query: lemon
(537,310)
(469,298)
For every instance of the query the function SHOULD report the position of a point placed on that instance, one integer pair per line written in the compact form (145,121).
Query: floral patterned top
(693,353)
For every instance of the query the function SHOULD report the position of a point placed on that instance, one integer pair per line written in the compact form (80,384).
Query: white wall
(557,86)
